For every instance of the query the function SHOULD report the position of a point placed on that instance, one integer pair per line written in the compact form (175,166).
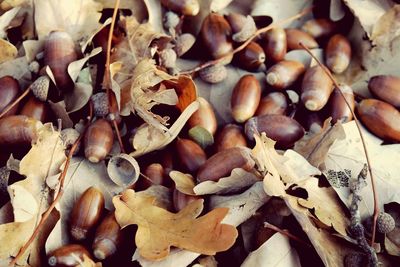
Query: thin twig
(286,233)
(15,102)
(374,191)
(242,46)
(121,145)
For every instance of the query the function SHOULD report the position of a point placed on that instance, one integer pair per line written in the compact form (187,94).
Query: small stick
(242,46)
(16,101)
(286,233)
(374,191)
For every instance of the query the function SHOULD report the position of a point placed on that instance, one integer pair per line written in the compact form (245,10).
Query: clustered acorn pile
(281,117)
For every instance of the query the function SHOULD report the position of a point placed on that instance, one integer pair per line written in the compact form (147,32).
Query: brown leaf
(185,89)
(159,229)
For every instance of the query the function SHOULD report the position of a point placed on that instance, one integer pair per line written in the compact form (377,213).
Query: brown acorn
(339,111)
(320,27)
(295,36)
(68,256)
(251,57)
(86,213)
(59,52)
(386,88)
(273,103)
(191,155)
(338,53)
(181,200)
(245,98)
(98,140)
(275,44)
(284,130)
(9,90)
(154,175)
(216,35)
(108,237)
(284,73)
(36,109)
(184,7)
(381,118)
(316,88)
(204,116)
(222,163)
(230,136)
(18,130)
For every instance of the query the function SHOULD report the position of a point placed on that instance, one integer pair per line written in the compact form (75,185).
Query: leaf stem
(286,233)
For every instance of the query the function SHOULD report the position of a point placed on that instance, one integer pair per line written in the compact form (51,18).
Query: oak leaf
(159,229)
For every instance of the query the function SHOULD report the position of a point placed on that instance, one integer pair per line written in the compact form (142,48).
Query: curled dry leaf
(6,18)
(236,181)
(184,183)
(123,170)
(159,229)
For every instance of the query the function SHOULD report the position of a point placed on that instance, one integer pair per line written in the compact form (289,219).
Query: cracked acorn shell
(245,98)
(98,140)
(9,90)
(381,118)
(338,53)
(86,213)
(108,237)
(386,88)
(275,44)
(284,73)
(68,256)
(18,130)
(59,52)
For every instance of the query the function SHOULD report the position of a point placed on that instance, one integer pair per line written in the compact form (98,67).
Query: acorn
(338,109)
(284,73)
(59,52)
(108,237)
(215,33)
(68,256)
(295,36)
(184,7)
(36,109)
(381,118)
(316,88)
(242,26)
(230,136)
(40,87)
(284,130)
(222,163)
(98,140)
(251,57)
(9,90)
(275,44)
(386,88)
(190,154)
(154,175)
(214,73)
(245,98)
(18,130)
(272,103)
(385,223)
(183,43)
(181,200)
(338,53)
(320,27)
(236,21)
(100,104)
(204,116)
(86,213)
(312,121)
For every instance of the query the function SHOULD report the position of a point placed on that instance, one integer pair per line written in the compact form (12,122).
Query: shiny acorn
(316,88)
(18,130)
(108,237)
(36,109)
(284,73)
(338,109)
(98,140)
(320,27)
(284,130)
(216,35)
(204,116)
(251,57)
(222,163)
(154,175)
(230,136)
(272,103)
(296,36)
(381,118)
(86,213)
(386,88)
(245,98)
(275,44)
(190,154)
(59,52)
(338,53)
(67,256)
(181,200)
(184,7)
(9,90)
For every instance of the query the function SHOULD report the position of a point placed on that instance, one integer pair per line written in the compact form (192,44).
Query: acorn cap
(40,87)
(385,223)
(213,73)
(100,104)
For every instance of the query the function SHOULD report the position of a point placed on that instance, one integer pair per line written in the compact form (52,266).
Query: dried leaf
(60,111)
(159,229)
(7,51)
(176,257)
(183,182)
(5,20)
